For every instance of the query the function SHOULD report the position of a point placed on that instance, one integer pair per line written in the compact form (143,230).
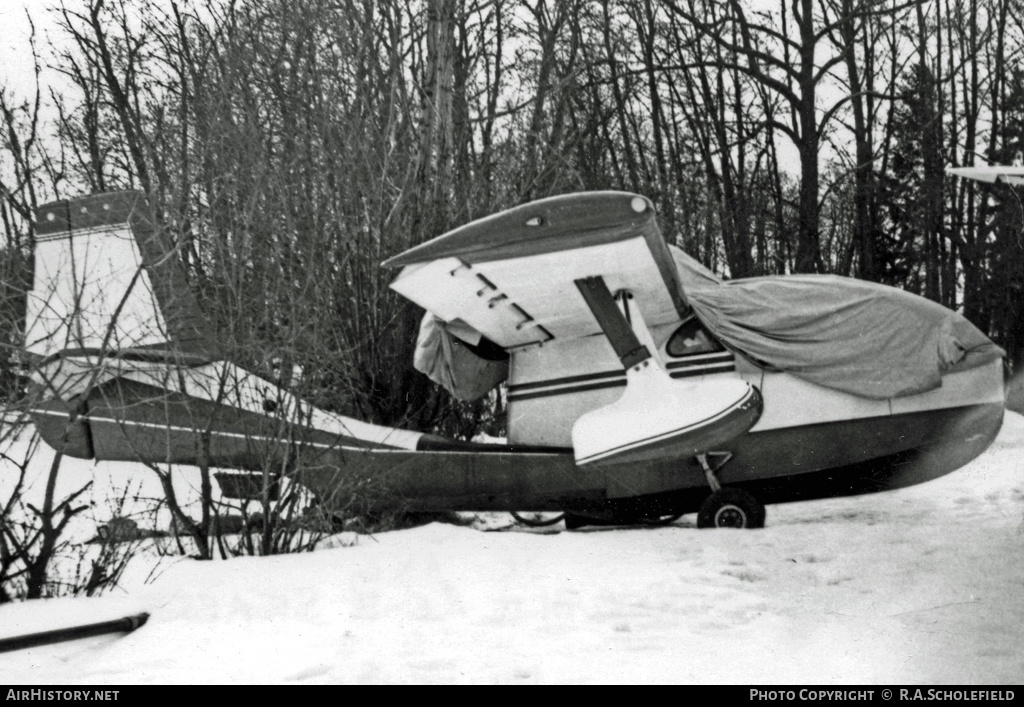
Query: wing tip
(92,211)
(529,222)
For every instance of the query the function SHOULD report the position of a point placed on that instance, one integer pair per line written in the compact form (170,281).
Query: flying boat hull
(131,422)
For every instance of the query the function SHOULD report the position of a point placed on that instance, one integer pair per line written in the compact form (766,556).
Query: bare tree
(781,50)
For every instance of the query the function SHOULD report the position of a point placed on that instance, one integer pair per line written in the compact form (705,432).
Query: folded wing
(511,276)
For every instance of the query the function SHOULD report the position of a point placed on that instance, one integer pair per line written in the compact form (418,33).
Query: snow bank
(918,585)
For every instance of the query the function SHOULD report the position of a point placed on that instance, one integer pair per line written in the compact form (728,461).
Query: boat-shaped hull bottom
(954,437)
(792,464)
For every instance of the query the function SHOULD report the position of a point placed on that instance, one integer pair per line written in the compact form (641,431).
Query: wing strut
(612,322)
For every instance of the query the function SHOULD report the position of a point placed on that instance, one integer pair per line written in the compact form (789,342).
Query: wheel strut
(721,459)
(726,507)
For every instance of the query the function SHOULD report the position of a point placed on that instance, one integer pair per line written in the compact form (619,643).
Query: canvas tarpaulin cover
(450,354)
(850,335)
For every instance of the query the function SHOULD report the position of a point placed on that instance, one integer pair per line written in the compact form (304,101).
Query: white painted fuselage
(550,386)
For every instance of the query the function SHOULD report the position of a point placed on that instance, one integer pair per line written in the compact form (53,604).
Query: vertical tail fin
(129,368)
(107,280)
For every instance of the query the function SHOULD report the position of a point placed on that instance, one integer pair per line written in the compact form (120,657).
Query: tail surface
(108,282)
(127,367)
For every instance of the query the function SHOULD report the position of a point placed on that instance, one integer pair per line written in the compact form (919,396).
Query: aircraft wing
(991,173)
(511,276)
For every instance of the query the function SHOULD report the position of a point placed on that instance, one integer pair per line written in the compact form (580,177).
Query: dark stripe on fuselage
(701,360)
(561,386)
(618,383)
(566,380)
(705,370)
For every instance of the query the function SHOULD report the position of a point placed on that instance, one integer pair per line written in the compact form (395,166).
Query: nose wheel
(727,507)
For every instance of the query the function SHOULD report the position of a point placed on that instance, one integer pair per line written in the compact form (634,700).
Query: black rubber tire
(731,508)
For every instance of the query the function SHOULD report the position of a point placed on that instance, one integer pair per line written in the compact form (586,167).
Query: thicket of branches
(290,147)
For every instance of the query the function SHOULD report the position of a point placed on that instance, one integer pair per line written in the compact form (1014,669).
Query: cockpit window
(692,338)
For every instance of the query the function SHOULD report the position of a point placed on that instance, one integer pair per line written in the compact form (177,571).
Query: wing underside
(511,277)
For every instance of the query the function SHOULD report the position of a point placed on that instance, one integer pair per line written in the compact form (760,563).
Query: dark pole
(30,640)
(612,321)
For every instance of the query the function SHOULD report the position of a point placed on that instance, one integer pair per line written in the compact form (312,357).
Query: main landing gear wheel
(731,508)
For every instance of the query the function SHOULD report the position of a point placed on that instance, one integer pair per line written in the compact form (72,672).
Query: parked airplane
(640,385)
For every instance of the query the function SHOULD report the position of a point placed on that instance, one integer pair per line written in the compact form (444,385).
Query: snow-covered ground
(921,585)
